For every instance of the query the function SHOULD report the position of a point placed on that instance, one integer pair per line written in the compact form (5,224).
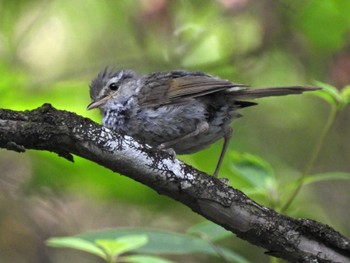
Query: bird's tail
(248,93)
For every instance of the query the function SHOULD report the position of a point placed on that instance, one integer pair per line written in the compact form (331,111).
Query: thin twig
(313,157)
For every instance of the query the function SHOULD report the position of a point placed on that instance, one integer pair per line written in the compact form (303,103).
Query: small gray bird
(178,111)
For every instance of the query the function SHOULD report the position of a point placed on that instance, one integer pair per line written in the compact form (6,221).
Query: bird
(178,111)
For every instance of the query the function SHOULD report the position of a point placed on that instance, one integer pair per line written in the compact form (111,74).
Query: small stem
(314,155)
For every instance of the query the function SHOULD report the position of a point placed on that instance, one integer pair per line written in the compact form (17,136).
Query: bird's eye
(113,86)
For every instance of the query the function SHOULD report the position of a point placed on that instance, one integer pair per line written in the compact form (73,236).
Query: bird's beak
(98,103)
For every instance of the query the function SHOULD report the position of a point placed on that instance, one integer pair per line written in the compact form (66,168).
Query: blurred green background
(51,50)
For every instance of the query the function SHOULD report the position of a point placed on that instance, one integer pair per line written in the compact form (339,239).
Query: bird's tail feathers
(249,93)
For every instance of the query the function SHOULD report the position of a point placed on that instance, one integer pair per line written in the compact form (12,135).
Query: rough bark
(65,133)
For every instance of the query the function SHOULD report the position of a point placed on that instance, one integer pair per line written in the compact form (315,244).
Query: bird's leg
(227,137)
(201,127)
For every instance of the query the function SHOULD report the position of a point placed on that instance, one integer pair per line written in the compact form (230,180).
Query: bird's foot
(170,151)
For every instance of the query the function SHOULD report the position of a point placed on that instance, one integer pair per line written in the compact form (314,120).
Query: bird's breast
(115,120)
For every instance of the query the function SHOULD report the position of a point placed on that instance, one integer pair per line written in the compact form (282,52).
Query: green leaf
(314,178)
(326,177)
(76,243)
(328,93)
(158,241)
(345,95)
(211,230)
(115,247)
(145,259)
(165,242)
(253,169)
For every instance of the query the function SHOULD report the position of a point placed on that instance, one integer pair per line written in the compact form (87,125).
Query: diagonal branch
(65,133)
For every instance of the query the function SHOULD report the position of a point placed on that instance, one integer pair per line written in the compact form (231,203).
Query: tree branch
(65,133)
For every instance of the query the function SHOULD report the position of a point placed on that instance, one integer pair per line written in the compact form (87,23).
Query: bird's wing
(178,87)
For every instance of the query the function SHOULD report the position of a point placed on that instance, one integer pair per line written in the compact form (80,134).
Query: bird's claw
(170,151)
